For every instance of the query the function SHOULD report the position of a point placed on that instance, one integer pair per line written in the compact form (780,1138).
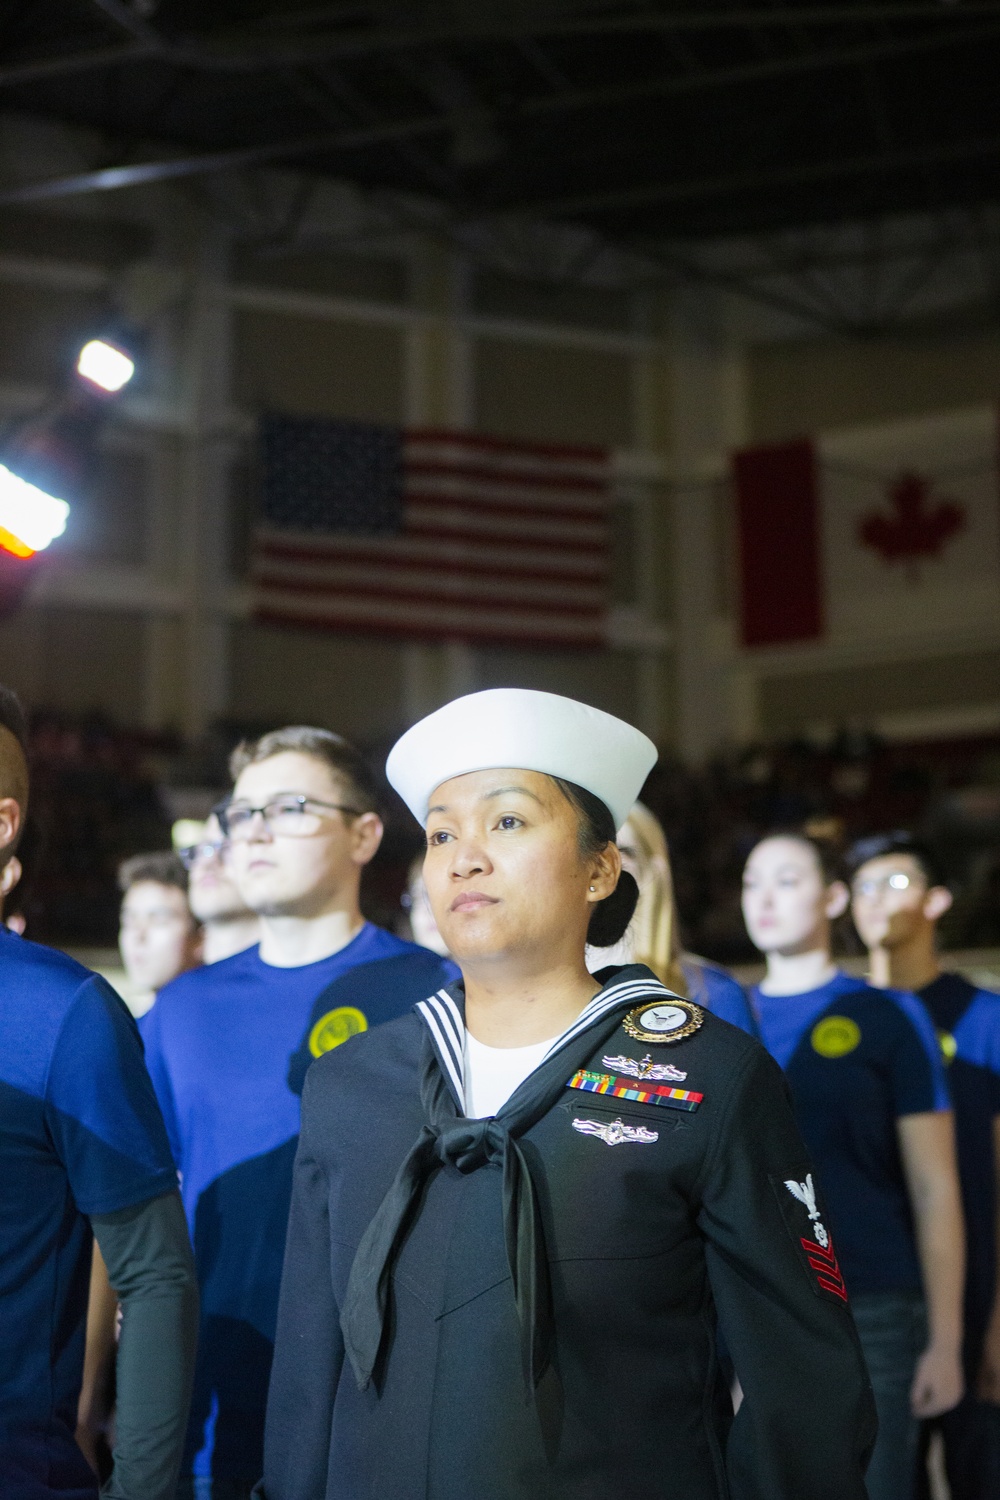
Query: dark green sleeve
(150,1266)
(807,1422)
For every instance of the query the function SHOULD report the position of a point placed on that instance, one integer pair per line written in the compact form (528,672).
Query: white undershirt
(493,1073)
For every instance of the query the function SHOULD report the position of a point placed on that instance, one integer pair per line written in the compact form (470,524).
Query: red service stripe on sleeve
(825,1268)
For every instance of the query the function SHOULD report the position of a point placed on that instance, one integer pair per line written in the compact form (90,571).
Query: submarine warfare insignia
(647,1068)
(641,1091)
(668,1022)
(617,1132)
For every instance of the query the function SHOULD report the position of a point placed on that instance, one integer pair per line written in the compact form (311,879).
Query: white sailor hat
(526,731)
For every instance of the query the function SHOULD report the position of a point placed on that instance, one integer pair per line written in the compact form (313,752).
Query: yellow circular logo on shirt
(835,1036)
(335,1027)
(948,1046)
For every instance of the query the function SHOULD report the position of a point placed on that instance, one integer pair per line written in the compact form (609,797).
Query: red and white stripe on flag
(886,530)
(501,541)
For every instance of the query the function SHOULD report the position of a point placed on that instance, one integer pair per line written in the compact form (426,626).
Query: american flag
(431,535)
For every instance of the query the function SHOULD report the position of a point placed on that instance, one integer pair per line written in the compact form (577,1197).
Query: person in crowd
(228,925)
(870,1097)
(10,875)
(158,938)
(83,1155)
(225,925)
(423,928)
(653,936)
(228,1047)
(898,897)
(517,1208)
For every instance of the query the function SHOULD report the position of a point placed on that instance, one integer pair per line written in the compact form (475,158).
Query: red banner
(777,505)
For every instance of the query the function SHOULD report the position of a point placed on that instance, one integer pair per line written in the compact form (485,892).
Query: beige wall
(867,694)
(351,684)
(78,660)
(317,366)
(525,390)
(799,388)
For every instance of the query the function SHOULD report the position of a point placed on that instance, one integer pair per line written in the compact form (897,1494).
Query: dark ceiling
(641,121)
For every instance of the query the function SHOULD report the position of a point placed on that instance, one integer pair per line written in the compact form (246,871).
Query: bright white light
(28,513)
(105,365)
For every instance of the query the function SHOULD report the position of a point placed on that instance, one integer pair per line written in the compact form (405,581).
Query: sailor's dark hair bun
(610,917)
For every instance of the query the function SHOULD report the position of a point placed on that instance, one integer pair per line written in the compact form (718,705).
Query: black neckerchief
(449,1137)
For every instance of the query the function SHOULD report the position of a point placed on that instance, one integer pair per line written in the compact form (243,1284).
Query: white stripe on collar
(446,1024)
(447,1028)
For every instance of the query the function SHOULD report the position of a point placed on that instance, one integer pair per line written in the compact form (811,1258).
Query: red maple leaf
(917,528)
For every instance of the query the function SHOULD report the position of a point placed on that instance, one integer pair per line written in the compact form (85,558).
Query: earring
(593,887)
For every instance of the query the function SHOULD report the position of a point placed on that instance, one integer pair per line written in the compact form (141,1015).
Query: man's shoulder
(392,974)
(977,1034)
(383,944)
(36,964)
(887,1019)
(375,1055)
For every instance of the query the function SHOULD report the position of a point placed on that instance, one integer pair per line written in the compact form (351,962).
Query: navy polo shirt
(228,1047)
(80,1134)
(857,1059)
(967,1020)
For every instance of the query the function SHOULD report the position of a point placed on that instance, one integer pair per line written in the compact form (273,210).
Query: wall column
(439,393)
(206,456)
(708,419)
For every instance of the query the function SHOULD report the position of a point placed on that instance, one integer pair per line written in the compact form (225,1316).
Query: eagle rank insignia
(667,1022)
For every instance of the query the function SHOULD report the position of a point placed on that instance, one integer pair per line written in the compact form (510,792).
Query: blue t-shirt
(228,1047)
(857,1059)
(80,1134)
(715,989)
(968,1026)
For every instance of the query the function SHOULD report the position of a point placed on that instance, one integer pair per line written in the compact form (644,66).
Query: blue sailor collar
(443,1014)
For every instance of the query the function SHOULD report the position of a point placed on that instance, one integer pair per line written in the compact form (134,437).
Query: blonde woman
(653,937)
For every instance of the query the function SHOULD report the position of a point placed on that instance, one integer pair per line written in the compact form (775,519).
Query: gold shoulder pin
(667,1022)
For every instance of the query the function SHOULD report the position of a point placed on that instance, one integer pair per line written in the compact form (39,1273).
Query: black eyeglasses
(289,815)
(207,849)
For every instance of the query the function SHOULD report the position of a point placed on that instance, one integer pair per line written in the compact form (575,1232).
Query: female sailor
(520,1210)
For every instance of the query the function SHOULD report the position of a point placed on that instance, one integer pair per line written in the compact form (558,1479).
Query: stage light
(105,366)
(29,518)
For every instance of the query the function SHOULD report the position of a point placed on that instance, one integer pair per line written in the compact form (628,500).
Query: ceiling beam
(760,70)
(229,51)
(113,179)
(739,182)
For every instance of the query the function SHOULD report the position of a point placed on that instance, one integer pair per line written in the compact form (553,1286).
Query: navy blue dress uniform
(525,1307)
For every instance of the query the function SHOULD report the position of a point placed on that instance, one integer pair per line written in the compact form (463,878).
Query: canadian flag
(890,529)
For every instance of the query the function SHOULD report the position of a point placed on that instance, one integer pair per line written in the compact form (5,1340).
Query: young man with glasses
(228,1047)
(228,925)
(898,896)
